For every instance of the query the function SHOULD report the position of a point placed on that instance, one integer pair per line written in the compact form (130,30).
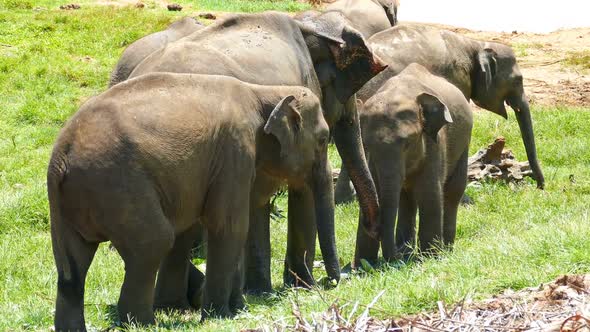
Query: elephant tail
(56,174)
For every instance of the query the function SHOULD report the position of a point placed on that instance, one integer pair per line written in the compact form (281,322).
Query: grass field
(52,60)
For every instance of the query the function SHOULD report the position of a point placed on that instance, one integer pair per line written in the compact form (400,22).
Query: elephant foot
(344,193)
(213,312)
(237,304)
(66,328)
(298,278)
(466,200)
(196,283)
(257,283)
(169,307)
(144,318)
(258,289)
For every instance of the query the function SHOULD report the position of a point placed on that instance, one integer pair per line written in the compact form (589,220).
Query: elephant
(146,164)
(140,49)
(324,54)
(367,16)
(416,130)
(486,72)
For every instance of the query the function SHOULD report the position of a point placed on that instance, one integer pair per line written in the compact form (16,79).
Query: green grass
(580,59)
(512,237)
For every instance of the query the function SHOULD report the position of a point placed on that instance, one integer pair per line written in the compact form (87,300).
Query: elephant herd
(201,125)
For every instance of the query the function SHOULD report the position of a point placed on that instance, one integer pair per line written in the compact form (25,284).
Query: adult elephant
(485,72)
(324,54)
(135,53)
(367,16)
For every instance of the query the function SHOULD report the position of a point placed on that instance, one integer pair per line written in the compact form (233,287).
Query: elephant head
(298,125)
(496,81)
(344,63)
(396,128)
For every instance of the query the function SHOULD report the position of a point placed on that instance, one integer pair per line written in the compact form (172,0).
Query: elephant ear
(487,66)
(353,62)
(284,123)
(433,114)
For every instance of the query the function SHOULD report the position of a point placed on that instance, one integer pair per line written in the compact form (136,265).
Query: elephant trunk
(323,193)
(523,116)
(347,136)
(390,177)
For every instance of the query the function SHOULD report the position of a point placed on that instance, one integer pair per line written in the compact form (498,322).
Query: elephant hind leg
(142,246)
(453,191)
(405,232)
(177,274)
(73,256)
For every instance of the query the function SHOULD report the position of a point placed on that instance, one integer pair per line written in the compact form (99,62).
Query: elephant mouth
(499,109)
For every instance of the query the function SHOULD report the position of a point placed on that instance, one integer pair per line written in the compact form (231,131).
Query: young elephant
(416,130)
(147,164)
(140,49)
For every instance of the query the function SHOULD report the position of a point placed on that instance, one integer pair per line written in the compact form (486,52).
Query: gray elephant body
(147,164)
(325,55)
(367,16)
(485,72)
(135,53)
(416,130)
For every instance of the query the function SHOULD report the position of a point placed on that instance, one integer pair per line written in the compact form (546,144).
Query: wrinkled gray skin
(367,16)
(324,54)
(416,130)
(147,164)
(140,49)
(485,72)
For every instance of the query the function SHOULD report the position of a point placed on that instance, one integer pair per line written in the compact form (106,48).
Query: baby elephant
(416,130)
(153,159)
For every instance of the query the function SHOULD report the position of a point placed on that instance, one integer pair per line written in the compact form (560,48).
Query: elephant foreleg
(366,248)
(430,205)
(454,189)
(344,191)
(301,239)
(258,251)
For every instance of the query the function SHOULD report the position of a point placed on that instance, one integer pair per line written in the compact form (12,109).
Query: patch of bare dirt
(541,57)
